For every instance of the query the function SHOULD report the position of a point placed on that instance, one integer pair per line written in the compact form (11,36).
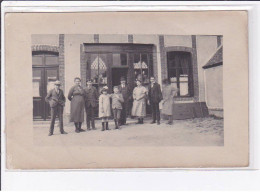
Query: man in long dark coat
(126,92)
(154,96)
(56,99)
(91,97)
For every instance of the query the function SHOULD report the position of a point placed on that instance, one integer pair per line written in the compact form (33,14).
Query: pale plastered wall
(214,87)
(179,40)
(45,39)
(206,48)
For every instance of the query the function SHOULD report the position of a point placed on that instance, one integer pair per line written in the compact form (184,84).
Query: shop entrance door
(117,73)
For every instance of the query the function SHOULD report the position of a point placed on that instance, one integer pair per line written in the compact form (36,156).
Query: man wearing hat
(56,99)
(124,89)
(91,97)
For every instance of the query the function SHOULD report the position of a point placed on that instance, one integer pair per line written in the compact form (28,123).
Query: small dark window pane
(51,60)
(37,60)
(123,59)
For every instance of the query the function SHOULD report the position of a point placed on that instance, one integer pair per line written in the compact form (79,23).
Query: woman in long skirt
(168,92)
(76,96)
(139,104)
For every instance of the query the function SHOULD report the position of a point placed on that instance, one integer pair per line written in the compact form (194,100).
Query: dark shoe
(103,126)
(82,130)
(107,128)
(170,123)
(63,132)
(93,125)
(153,122)
(50,134)
(139,121)
(77,131)
(142,121)
(88,128)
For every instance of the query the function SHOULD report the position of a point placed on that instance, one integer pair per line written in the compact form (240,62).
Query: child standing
(104,108)
(117,100)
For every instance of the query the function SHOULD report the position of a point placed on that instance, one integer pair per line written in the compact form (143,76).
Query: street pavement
(191,132)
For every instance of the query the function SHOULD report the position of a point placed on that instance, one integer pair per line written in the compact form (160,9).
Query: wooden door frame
(44,88)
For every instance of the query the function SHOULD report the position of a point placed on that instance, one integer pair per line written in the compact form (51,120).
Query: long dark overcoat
(76,96)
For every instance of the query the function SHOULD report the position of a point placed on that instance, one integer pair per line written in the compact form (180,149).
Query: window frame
(178,75)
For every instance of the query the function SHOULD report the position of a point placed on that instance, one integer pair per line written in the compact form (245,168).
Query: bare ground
(191,132)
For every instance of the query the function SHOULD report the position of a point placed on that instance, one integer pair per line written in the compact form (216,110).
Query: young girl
(104,108)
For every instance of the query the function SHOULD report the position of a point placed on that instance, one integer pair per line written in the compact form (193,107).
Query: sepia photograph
(127,90)
(110,90)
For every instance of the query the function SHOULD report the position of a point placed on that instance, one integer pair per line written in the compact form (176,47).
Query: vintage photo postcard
(126,90)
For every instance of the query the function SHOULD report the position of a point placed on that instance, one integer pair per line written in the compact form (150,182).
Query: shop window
(180,69)
(98,69)
(141,67)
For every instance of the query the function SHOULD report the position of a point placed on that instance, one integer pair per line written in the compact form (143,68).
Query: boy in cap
(117,100)
(56,99)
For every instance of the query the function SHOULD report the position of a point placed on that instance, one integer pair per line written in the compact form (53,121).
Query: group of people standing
(85,99)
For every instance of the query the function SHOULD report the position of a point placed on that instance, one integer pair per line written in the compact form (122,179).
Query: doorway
(117,73)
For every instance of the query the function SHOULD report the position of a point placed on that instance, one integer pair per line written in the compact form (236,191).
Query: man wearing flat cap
(56,99)
(91,97)
(124,89)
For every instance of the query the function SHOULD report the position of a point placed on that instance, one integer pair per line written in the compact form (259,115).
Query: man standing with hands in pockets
(56,99)
(154,98)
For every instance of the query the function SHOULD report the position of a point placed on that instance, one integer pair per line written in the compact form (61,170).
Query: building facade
(105,58)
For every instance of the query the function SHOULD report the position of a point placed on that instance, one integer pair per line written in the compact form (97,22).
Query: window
(141,67)
(98,69)
(180,69)
(45,58)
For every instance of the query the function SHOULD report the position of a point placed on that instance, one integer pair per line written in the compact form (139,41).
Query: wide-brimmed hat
(139,80)
(57,83)
(105,88)
(89,81)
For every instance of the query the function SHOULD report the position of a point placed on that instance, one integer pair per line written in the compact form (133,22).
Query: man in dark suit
(56,99)
(154,97)
(91,97)
(124,89)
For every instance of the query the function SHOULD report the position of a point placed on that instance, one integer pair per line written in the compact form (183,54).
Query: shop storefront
(107,63)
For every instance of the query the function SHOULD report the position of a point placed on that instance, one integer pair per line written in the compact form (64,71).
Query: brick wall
(61,61)
(83,65)
(164,70)
(130,38)
(195,69)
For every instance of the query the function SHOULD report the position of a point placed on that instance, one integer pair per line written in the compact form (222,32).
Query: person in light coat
(139,104)
(104,108)
(168,92)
